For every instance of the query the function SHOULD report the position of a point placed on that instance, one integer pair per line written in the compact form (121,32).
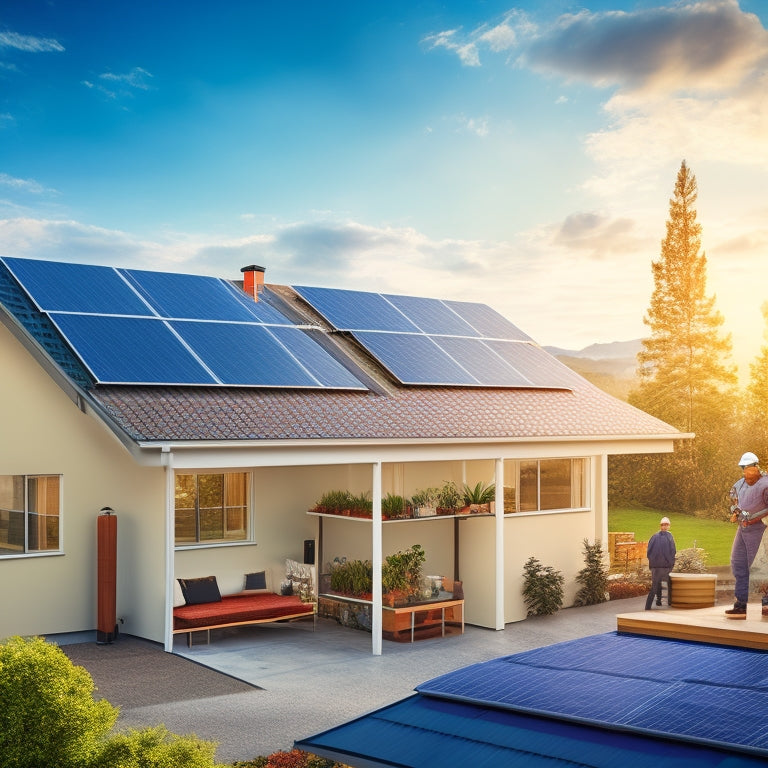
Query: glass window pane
(185,508)
(529,486)
(43,506)
(555,483)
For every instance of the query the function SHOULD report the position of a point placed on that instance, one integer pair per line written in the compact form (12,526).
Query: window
(30,513)
(546,484)
(212,507)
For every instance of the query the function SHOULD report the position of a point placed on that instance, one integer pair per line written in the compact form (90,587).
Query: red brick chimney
(253,280)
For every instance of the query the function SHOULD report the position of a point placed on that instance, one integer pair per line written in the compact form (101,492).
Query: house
(210,415)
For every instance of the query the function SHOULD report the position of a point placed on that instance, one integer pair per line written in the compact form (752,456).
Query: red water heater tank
(106,586)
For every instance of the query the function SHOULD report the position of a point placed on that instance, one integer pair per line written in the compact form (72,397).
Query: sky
(522,154)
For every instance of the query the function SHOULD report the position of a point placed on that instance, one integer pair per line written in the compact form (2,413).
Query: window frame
(25,550)
(226,510)
(579,484)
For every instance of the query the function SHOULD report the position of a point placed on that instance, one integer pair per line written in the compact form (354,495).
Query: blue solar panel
(125,350)
(113,321)
(243,354)
(432,315)
(540,368)
(57,287)
(686,690)
(488,322)
(356,310)
(415,359)
(195,297)
(425,341)
(486,365)
(324,368)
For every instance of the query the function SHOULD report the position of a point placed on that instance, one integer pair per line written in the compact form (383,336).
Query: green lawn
(713,536)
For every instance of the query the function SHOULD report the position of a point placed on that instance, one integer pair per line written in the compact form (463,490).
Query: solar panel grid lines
(140,327)
(472,344)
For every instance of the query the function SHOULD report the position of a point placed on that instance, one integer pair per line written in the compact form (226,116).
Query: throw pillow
(203,590)
(256,582)
(178,595)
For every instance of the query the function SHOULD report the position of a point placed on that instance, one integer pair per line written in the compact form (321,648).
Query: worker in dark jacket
(661,559)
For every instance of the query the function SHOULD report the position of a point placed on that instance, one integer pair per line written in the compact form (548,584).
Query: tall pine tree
(686,376)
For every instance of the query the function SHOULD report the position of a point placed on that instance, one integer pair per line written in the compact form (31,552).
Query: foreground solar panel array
(138,327)
(605,701)
(424,341)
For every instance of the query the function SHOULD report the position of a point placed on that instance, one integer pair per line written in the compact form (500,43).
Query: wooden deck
(704,625)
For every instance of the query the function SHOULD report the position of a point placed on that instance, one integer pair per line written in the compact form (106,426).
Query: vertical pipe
(377,560)
(499,487)
(170,495)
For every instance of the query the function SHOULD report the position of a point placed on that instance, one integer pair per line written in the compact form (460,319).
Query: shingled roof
(386,410)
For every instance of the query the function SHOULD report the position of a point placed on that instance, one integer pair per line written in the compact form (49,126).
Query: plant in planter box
(343,503)
(479,497)
(692,560)
(449,498)
(401,574)
(393,506)
(353,578)
(425,502)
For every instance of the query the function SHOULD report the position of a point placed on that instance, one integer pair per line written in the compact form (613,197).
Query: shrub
(156,748)
(48,716)
(293,759)
(542,588)
(593,577)
(691,560)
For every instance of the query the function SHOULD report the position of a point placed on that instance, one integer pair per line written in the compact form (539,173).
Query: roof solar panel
(195,297)
(356,310)
(487,321)
(432,315)
(424,341)
(141,327)
(82,288)
(324,368)
(130,350)
(540,368)
(243,354)
(415,359)
(486,365)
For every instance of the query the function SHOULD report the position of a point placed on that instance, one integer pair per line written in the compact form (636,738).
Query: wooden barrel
(693,590)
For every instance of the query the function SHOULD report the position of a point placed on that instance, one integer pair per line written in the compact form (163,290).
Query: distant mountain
(611,367)
(609,351)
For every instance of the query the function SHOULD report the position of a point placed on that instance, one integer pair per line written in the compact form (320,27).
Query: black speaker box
(309,551)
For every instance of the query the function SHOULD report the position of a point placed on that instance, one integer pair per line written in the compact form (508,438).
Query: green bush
(156,747)
(593,577)
(48,716)
(542,588)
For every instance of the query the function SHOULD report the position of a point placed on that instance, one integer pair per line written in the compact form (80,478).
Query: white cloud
(29,44)
(23,185)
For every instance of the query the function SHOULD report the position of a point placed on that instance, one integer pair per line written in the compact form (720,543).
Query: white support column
(170,539)
(376,562)
(500,560)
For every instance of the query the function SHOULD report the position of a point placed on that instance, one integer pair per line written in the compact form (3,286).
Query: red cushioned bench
(240,609)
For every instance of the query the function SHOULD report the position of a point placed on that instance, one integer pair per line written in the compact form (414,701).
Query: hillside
(611,367)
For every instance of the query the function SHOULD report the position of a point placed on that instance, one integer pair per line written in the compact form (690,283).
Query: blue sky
(522,154)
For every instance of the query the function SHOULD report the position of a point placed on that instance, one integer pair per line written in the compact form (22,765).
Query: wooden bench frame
(246,622)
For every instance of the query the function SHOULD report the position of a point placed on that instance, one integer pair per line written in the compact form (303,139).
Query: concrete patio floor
(306,681)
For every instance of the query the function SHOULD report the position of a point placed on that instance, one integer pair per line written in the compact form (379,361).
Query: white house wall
(43,432)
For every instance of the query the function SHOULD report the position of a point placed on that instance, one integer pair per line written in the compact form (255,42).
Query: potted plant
(401,575)
(449,499)
(353,578)
(479,497)
(393,507)
(425,502)
(343,503)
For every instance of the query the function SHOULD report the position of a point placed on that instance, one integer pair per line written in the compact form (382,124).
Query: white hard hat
(747,459)
(664,520)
